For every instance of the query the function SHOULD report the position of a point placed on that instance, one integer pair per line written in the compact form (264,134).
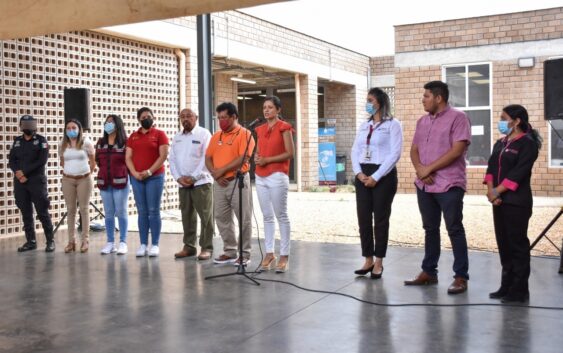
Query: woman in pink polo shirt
(147,149)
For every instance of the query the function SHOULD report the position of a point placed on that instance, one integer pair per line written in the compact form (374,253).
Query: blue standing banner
(327,156)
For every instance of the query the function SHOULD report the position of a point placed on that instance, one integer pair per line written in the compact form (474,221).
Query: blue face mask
(72,134)
(109,128)
(503,127)
(370,108)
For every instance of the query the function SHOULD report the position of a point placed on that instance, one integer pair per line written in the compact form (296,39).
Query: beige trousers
(77,190)
(224,207)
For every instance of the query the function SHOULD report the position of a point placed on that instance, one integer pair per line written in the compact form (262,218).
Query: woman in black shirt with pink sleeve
(509,172)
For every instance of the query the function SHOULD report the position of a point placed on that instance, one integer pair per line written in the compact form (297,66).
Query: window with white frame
(556,143)
(470,91)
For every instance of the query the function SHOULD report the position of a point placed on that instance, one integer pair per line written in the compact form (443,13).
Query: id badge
(367,154)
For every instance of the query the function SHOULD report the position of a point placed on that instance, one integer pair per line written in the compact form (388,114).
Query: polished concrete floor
(92,303)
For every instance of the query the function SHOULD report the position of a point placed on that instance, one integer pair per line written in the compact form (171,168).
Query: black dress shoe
(50,246)
(362,272)
(28,246)
(377,275)
(501,292)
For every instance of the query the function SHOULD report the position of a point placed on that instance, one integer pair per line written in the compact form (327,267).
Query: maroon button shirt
(434,136)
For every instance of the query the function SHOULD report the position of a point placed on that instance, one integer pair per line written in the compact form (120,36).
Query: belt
(195,186)
(76,176)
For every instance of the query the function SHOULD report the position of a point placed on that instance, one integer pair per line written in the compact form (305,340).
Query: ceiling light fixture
(243,80)
(250,92)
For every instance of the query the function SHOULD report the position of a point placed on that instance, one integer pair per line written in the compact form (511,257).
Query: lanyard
(371,129)
(368,139)
(232,138)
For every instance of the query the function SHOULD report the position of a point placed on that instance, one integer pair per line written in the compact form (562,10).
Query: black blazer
(511,164)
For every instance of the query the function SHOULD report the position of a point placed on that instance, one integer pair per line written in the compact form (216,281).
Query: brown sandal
(84,247)
(268,263)
(283,264)
(70,247)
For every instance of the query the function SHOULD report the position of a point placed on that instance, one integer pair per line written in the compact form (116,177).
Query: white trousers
(272,196)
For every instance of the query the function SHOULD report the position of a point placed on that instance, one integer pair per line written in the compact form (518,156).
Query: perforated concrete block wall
(122,75)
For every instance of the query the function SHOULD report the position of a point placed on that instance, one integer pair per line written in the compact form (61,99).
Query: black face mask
(28,132)
(147,123)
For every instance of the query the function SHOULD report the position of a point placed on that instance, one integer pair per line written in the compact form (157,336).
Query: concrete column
(309,131)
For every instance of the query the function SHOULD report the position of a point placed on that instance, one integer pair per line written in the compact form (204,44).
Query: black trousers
(34,192)
(511,231)
(374,209)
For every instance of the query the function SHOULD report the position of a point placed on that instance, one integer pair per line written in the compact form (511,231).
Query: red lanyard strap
(371,129)
(368,139)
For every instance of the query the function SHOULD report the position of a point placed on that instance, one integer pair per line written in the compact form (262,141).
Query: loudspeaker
(553,88)
(77,106)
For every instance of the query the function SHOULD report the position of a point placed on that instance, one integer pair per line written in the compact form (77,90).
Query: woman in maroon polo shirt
(113,182)
(147,149)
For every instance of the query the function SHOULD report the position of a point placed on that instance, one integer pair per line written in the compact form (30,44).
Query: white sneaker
(107,249)
(154,251)
(122,249)
(142,251)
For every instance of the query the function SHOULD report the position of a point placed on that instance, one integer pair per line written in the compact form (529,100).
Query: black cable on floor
(406,304)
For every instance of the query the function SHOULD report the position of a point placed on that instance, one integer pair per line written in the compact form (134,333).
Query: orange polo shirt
(224,147)
(270,143)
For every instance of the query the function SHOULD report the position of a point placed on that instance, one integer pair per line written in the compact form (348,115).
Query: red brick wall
(382,65)
(467,32)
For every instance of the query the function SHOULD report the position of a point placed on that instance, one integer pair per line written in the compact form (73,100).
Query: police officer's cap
(27,118)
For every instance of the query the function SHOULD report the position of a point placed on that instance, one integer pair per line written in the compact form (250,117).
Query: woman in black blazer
(508,189)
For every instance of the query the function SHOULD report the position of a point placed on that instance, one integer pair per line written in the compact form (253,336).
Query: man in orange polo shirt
(223,157)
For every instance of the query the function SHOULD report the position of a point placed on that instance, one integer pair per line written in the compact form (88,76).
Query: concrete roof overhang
(28,18)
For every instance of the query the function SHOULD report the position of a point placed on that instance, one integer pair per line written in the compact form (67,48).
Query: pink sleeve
(510,185)
(461,130)
(488,177)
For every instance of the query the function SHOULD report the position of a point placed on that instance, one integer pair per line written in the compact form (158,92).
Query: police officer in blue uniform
(28,158)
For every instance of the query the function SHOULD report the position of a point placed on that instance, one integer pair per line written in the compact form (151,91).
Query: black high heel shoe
(377,275)
(499,294)
(362,272)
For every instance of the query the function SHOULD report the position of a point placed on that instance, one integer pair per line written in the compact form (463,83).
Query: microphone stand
(241,270)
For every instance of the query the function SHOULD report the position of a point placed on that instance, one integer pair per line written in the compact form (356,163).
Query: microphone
(258,121)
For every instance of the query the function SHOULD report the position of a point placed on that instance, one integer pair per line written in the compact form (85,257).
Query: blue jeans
(148,194)
(431,206)
(115,205)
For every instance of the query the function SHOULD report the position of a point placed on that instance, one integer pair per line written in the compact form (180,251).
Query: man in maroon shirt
(438,154)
